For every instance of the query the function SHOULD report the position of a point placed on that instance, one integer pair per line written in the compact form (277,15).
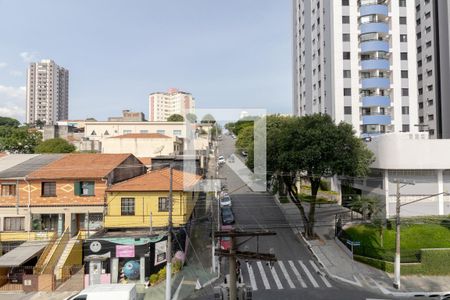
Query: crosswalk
(290,274)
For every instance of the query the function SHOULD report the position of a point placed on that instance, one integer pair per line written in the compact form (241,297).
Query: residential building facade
(163,105)
(433,62)
(356,61)
(396,160)
(128,116)
(47,92)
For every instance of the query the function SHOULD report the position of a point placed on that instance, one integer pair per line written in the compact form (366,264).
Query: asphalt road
(296,274)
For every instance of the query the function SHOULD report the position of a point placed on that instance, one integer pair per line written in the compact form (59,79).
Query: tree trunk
(293,191)
(315,184)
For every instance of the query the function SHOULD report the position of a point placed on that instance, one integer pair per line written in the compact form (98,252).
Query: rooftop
(158,180)
(9,161)
(80,165)
(27,164)
(142,136)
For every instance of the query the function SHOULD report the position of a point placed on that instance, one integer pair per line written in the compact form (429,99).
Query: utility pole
(233,253)
(397,240)
(169,240)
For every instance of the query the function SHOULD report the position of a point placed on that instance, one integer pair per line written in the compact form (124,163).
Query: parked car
(221,160)
(107,291)
(244,153)
(225,200)
(225,242)
(15,274)
(227,215)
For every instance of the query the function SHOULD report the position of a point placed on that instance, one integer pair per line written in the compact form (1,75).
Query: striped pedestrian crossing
(289,274)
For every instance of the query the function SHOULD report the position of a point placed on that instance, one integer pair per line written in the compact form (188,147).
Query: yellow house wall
(146,204)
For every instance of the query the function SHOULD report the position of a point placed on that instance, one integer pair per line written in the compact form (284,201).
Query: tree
(19,140)
(245,139)
(315,147)
(208,119)
(191,117)
(39,123)
(10,122)
(175,118)
(57,145)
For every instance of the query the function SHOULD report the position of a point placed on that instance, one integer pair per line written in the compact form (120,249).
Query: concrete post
(440,180)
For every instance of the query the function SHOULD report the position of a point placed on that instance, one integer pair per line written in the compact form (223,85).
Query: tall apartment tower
(47,92)
(356,61)
(433,62)
(163,105)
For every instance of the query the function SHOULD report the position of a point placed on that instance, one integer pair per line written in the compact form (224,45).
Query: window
(163,204)
(346,55)
(126,131)
(161,131)
(419,49)
(419,35)
(402,3)
(403,38)
(402,20)
(429,58)
(431,131)
(421,91)
(404,74)
(428,44)
(419,63)
(347,91)
(427,15)
(143,131)
(430,102)
(347,74)
(84,188)
(404,56)
(420,105)
(419,77)
(93,132)
(48,189)
(430,87)
(106,132)
(405,110)
(347,110)
(430,117)
(14,224)
(405,92)
(405,127)
(8,190)
(346,37)
(429,73)
(177,132)
(345,20)
(127,206)
(345,3)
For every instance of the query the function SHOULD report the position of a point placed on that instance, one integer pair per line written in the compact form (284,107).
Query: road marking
(286,275)
(316,268)
(252,277)
(311,278)
(275,277)
(297,274)
(263,275)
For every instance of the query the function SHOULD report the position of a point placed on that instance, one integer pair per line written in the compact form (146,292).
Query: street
(295,275)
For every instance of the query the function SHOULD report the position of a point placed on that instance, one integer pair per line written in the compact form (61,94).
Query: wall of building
(146,203)
(140,147)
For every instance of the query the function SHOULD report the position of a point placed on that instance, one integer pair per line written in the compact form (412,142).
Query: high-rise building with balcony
(47,93)
(163,105)
(356,61)
(433,63)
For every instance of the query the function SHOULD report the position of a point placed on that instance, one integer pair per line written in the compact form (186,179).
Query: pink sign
(124,250)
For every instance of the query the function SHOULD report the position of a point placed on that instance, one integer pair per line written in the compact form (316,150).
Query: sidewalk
(340,266)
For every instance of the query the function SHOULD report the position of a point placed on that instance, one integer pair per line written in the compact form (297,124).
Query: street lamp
(396,283)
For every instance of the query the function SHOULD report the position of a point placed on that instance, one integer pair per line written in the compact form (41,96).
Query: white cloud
(28,56)
(12,102)
(16,73)
(3,64)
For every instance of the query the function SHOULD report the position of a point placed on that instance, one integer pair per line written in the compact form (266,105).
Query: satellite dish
(159,150)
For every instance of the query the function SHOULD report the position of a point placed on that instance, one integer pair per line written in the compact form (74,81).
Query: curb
(409,294)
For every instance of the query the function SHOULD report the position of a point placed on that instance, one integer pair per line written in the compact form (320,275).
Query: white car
(221,160)
(225,201)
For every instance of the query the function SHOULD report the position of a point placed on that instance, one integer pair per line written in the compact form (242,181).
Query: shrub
(154,278)
(325,185)
(162,273)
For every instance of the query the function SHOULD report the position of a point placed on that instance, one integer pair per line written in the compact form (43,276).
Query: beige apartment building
(163,105)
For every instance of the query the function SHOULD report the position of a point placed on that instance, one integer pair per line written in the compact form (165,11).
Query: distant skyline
(230,54)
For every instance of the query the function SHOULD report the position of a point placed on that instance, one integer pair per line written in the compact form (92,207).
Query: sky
(228,54)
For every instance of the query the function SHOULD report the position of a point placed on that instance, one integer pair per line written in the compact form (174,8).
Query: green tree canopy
(57,145)
(208,119)
(191,117)
(175,118)
(315,146)
(19,139)
(6,121)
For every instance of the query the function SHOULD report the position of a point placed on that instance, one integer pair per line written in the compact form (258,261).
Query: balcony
(374,28)
(374,9)
(376,83)
(375,64)
(376,101)
(373,46)
(377,120)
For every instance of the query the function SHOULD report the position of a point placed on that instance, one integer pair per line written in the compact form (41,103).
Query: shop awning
(23,253)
